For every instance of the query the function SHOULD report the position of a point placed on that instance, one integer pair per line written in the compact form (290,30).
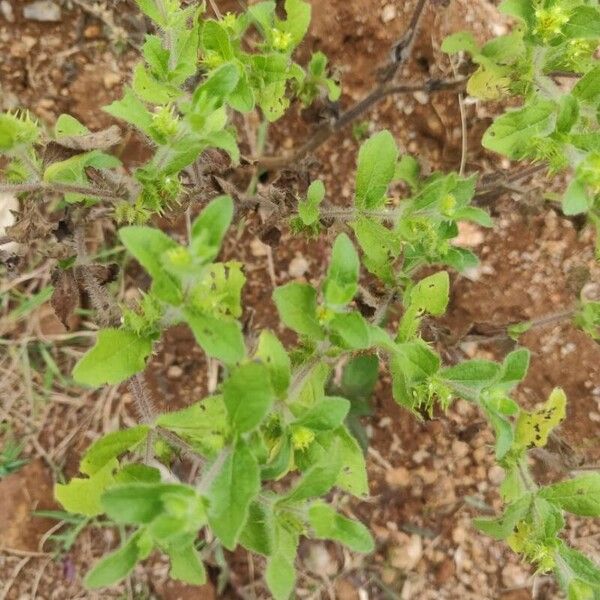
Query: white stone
(389,13)
(42,10)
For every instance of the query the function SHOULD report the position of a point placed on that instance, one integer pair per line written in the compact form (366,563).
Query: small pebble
(43,10)
(496,474)
(406,555)
(399,477)
(111,79)
(389,13)
(174,372)
(460,449)
(298,266)
(7,11)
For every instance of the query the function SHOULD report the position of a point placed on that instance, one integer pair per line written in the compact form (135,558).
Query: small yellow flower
(302,438)
(281,39)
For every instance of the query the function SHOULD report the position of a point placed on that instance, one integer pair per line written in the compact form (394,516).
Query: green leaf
(360,376)
(272,353)
(111,446)
(474,375)
(280,573)
(457,42)
(298,20)
(263,14)
(501,527)
(318,479)
(248,396)
(533,428)
(142,503)
(117,565)
(575,201)
(216,38)
(580,496)
(577,574)
(235,486)
(148,246)
(214,91)
(330,525)
(341,282)
(353,475)
(117,355)
(504,433)
(149,89)
(17,130)
(66,125)
(350,330)
(328,413)
(186,564)
(134,473)
(522,9)
(82,496)
(152,10)
(474,214)
(297,306)
(587,89)
(210,227)
(308,209)
(219,337)
(584,23)
(432,294)
(408,169)
(258,532)
(511,133)
(377,159)
(131,110)
(204,425)
(514,368)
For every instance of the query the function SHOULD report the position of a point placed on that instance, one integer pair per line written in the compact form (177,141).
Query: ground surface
(427,478)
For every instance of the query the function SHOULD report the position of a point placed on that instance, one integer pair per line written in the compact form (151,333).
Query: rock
(7,11)
(469,235)
(319,561)
(8,206)
(460,449)
(257,248)
(459,535)
(92,32)
(514,576)
(444,572)
(398,478)
(111,79)
(42,10)
(388,13)
(496,474)
(345,590)
(174,372)
(298,266)
(22,492)
(406,555)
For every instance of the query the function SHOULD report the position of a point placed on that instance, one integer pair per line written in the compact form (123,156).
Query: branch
(326,130)
(59,188)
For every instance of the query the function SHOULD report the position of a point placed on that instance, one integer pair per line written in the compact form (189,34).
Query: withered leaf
(31,224)
(65,297)
(99,140)
(71,284)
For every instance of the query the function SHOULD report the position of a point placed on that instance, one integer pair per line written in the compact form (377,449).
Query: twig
(326,130)
(59,188)
(543,321)
(403,48)
(215,8)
